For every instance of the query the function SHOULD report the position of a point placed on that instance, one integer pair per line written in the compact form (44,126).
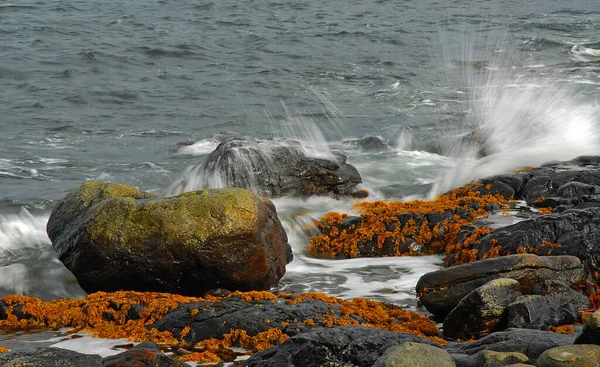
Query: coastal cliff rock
(114,237)
(271,168)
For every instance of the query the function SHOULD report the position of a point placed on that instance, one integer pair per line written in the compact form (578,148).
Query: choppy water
(106,90)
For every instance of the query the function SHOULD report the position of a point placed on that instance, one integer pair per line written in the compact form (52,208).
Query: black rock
(146,354)
(345,345)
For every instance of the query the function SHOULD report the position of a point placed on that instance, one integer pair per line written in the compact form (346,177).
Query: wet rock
(114,237)
(372,144)
(48,356)
(272,168)
(591,330)
(142,355)
(481,311)
(416,355)
(440,291)
(581,355)
(490,358)
(345,345)
(537,312)
(531,343)
(3,314)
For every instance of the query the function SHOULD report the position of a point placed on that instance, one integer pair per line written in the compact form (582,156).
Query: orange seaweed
(379,222)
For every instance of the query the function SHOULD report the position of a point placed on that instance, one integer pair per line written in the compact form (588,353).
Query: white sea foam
(22,230)
(521,119)
(201,147)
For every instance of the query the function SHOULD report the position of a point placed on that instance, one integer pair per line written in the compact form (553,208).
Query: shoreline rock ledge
(114,237)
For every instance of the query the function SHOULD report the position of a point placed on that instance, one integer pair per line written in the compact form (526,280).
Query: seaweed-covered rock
(339,346)
(271,168)
(114,237)
(48,356)
(416,355)
(481,311)
(441,290)
(142,355)
(580,355)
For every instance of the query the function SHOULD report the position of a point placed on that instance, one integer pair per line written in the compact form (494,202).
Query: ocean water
(109,90)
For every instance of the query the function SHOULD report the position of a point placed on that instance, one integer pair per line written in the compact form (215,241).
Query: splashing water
(518,116)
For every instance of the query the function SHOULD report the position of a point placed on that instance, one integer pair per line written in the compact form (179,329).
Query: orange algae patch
(543,211)
(563,329)
(3,350)
(90,313)
(380,225)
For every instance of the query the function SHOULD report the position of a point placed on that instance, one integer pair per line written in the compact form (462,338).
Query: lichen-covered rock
(415,355)
(142,355)
(579,355)
(48,356)
(481,311)
(591,330)
(441,290)
(114,237)
(271,168)
(340,346)
(490,358)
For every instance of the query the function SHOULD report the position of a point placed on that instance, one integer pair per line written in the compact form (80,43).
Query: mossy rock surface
(415,355)
(115,237)
(579,355)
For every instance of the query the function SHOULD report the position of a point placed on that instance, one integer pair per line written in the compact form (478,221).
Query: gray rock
(345,345)
(580,355)
(531,343)
(481,311)
(48,357)
(142,355)
(272,168)
(415,355)
(490,358)
(441,290)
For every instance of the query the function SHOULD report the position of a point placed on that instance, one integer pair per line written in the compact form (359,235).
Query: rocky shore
(199,266)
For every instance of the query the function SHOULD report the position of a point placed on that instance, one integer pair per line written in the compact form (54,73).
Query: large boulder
(440,291)
(580,355)
(114,237)
(415,354)
(271,168)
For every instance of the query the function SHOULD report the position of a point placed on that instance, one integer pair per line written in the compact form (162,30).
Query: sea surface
(135,92)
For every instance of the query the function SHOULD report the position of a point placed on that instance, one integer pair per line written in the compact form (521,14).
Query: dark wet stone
(535,188)
(344,345)
(531,343)
(482,311)
(372,144)
(134,312)
(440,291)
(591,331)
(146,354)
(48,356)
(3,314)
(271,168)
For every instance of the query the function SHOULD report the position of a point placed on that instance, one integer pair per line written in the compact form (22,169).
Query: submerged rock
(114,237)
(272,168)
(440,291)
